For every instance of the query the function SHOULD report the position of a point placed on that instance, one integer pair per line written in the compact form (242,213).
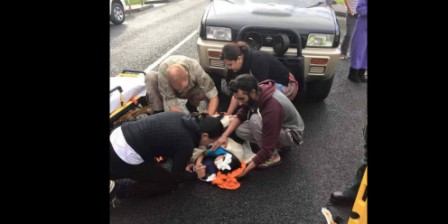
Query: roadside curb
(138,9)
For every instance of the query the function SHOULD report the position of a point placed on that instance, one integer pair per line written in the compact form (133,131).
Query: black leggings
(151,178)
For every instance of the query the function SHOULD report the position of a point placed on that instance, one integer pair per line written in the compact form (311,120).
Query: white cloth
(123,150)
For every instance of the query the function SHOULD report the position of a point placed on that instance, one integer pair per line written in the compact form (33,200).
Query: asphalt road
(293,192)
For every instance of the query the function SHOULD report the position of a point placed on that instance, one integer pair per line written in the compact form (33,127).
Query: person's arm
(272,118)
(205,83)
(180,160)
(200,168)
(232,106)
(250,166)
(361,7)
(222,140)
(349,7)
(213,105)
(199,160)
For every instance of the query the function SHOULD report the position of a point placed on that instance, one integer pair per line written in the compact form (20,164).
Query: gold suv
(304,35)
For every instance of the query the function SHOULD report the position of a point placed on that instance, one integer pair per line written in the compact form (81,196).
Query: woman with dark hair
(134,145)
(239,59)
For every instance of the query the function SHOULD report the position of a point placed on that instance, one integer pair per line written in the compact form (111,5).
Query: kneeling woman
(134,145)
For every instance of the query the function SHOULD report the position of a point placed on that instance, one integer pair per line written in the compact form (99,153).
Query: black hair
(244,82)
(234,164)
(233,50)
(210,125)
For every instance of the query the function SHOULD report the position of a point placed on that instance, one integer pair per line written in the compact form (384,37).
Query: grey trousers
(350,23)
(153,96)
(251,130)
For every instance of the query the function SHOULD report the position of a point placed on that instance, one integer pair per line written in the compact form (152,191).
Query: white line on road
(153,65)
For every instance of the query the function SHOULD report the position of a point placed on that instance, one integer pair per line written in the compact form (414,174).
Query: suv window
(308,28)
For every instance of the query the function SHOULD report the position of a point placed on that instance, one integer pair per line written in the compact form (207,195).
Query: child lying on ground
(219,167)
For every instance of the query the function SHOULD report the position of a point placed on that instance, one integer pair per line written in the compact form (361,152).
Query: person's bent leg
(152,179)
(250,130)
(153,96)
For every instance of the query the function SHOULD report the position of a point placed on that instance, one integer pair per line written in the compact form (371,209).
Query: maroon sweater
(272,115)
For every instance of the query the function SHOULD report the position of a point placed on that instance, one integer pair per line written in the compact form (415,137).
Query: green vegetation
(340,2)
(136,2)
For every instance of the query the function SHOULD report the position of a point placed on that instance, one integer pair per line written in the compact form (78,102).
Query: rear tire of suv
(117,14)
(319,90)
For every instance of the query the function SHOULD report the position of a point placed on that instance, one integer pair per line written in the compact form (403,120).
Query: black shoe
(362,75)
(342,198)
(353,75)
(119,191)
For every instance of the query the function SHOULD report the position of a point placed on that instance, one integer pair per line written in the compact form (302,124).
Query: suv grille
(265,37)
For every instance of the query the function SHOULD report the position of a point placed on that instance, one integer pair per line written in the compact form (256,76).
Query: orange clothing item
(229,181)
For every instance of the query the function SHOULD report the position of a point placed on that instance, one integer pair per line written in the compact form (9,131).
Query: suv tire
(319,90)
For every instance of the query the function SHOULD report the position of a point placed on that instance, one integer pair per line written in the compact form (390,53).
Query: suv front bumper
(319,63)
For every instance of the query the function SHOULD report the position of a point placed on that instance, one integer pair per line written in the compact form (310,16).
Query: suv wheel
(117,14)
(319,90)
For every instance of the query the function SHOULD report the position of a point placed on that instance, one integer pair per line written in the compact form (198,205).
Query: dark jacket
(263,66)
(168,134)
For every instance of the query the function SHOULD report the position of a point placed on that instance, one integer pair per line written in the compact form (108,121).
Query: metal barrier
(359,211)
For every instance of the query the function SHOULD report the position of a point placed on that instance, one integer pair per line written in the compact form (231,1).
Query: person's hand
(220,141)
(189,168)
(200,171)
(250,166)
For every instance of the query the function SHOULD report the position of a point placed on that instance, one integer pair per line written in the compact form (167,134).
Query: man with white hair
(180,77)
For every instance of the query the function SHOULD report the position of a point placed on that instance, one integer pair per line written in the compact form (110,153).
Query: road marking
(156,63)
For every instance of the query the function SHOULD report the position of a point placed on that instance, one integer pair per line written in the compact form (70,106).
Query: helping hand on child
(189,168)
(200,171)
(250,166)
(221,141)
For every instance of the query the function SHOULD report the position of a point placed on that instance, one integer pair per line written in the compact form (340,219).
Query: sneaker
(114,201)
(344,57)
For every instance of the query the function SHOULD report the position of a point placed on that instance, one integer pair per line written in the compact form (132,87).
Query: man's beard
(252,104)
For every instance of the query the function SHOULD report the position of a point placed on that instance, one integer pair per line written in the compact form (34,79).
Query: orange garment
(229,181)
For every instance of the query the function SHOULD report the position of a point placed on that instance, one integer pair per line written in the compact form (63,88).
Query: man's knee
(255,122)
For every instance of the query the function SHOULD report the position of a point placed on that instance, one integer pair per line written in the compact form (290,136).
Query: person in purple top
(358,65)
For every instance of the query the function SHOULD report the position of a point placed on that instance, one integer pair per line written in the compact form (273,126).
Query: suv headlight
(218,33)
(320,40)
